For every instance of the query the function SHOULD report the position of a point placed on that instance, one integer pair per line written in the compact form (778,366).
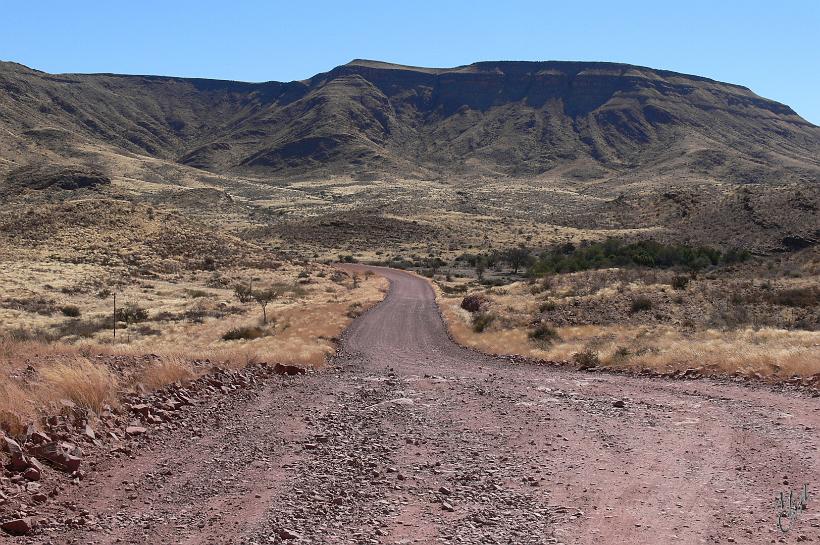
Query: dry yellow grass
(768,352)
(166,371)
(87,384)
(36,375)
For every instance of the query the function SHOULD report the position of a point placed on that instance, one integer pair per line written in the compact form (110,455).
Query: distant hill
(369,118)
(583,145)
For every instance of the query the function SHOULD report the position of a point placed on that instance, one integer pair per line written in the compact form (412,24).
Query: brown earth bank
(408,438)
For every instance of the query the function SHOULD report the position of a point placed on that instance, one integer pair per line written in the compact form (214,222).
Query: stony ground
(407,438)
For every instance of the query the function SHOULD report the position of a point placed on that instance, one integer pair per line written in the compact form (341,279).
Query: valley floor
(408,438)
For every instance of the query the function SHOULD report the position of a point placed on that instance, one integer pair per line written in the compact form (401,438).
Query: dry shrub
(586,359)
(473,303)
(482,320)
(245,333)
(166,371)
(86,384)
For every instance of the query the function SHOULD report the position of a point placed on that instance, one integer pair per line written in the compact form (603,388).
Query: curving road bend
(408,438)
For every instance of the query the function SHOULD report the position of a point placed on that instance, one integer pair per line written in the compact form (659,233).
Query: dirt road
(408,438)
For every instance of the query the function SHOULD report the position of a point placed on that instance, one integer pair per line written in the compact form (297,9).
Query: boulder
(18,527)
(142,410)
(89,433)
(285,533)
(32,474)
(19,462)
(281,369)
(135,430)
(60,455)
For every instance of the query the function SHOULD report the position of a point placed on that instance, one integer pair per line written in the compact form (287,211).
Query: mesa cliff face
(366,118)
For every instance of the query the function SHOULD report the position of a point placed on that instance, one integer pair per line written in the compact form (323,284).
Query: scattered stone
(135,430)
(62,457)
(141,409)
(32,474)
(289,370)
(39,498)
(18,527)
(18,459)
(447,507)
(619,404)
(89,433)
(38,437)
(289,534)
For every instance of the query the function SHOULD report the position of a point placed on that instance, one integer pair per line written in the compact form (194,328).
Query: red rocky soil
(407,438)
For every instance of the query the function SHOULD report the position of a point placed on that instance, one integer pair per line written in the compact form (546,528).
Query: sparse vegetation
(544,334)
(640,304)
(586,359)
(245,333)
(132,313)
(472,303)
(71,311)
(750,317)
(615,253)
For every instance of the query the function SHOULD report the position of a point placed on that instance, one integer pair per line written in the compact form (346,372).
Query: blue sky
(771,47)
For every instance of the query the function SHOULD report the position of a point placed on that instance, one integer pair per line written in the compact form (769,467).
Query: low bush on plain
(246,333)
(482,320)
(544,334)
(72,311)
(679,282)
(472,303)
(586,359)
(641,304)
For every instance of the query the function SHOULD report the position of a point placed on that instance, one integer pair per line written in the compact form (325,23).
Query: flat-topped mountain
(578,119)
(451,157)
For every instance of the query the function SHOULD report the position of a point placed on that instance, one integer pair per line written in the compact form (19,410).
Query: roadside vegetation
(57,340)
(642,306)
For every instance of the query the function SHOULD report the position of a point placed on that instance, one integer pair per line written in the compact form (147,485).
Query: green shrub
(82,328)
(587,359)
(72,311)
(616,253)
(244,333)
(679,282)
(621,355)
(197,294)
(131,313)
(641,304)
(544,334)
(482,320)
(354,310)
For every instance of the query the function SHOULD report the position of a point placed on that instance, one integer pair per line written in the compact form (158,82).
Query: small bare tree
(243,292)
(263,298)
(480,267)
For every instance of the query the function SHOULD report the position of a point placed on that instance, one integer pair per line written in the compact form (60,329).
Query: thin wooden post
(115,318)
